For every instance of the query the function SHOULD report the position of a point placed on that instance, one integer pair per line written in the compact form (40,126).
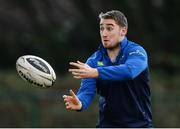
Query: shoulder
(96,56)
(135,48)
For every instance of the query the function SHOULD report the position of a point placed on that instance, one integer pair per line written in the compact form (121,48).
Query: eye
(101,28)
(109,28)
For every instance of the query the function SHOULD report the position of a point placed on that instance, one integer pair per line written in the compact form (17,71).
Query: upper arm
(135,63)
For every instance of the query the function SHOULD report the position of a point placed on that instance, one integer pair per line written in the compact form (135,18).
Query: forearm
(121,72)
(114,73)
(86,92)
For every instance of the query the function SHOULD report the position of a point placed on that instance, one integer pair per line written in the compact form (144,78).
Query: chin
(111,47)
(106,46)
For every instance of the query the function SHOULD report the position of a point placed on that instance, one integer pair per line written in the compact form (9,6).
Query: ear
(123,31)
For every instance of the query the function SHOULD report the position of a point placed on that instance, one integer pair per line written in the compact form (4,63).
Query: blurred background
(60,31)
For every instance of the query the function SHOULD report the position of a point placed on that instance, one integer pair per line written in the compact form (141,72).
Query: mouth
(105,40)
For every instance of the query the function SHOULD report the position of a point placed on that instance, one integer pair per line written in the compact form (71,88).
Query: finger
(75,74)
(83,64)
(78,77)
(79,62)
(67,103)
(76,70)
(64,96)
(72,93)
(68,107)
(68,99)
(73,70)
(75,64)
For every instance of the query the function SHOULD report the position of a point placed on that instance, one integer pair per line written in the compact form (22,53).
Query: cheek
(114,38)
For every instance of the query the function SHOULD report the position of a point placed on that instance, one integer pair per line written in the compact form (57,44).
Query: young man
(118,71)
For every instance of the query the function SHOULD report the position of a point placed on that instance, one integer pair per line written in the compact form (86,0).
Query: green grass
(24,105)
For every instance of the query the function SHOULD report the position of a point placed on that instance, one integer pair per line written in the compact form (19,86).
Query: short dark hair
(117,16)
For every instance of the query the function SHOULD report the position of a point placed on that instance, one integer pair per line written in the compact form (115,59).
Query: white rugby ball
(36,71)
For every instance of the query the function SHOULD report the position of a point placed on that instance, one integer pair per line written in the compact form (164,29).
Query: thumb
(72,93)
(77,101)
(80,62)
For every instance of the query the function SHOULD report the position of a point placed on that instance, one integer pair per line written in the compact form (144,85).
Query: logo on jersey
(137,52)
(100,63)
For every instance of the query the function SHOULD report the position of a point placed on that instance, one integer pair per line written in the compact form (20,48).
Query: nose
(104,33)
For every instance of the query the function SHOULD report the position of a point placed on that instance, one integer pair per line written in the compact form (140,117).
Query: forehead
(107,22)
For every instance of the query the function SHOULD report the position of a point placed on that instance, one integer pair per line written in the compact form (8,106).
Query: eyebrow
(107,24)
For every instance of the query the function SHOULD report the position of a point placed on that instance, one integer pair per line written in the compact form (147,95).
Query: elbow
(131,74)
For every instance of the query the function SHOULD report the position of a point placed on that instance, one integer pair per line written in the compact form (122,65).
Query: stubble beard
(111,48)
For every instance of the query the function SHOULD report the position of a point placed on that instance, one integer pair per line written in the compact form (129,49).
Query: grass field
(23,105)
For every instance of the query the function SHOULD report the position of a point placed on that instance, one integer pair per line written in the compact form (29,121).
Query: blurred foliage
(60,31)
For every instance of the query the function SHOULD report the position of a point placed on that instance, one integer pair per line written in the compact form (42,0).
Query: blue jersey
(123,87)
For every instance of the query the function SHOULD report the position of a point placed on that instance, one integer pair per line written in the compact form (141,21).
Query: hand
(72,102)
(83,71)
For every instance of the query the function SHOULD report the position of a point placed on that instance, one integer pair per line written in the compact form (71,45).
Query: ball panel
(38,64)
(36,71)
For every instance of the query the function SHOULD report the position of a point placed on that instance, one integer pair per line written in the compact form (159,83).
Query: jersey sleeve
(87,89)
(135,63)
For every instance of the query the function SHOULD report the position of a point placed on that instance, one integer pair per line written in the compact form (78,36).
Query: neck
(113,53)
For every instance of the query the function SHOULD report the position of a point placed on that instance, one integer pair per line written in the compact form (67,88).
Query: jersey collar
(122,45)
